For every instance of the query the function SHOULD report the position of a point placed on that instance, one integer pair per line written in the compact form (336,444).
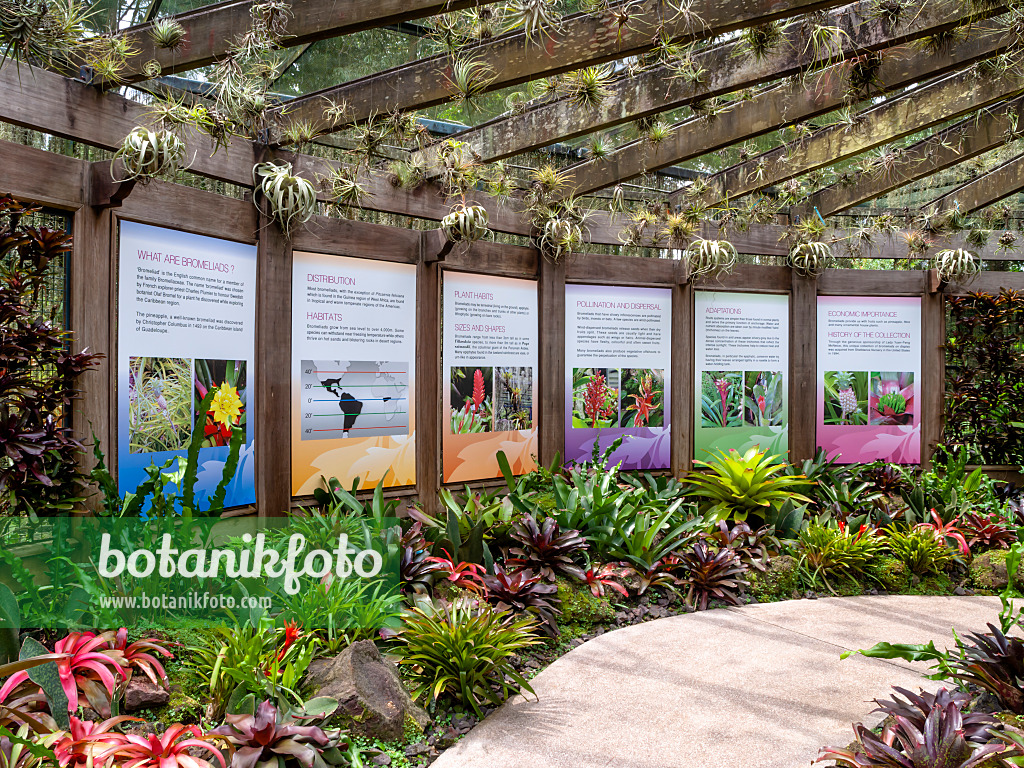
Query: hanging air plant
(538,18)
(167,33)
(146,153)
(710,258)
(289,198)
(957,265)
(559,237)
(617,204)
(465,223)
(810,259)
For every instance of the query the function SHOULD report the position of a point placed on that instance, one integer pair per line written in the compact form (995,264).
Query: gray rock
(381,760)
(371,699)
(141,693)
(417,749)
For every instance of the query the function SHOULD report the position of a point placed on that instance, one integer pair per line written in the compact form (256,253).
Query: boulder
(779,582)
(988,570)
(142,693)
(371,699)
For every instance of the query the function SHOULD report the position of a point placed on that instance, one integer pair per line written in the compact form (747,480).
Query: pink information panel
(869,372)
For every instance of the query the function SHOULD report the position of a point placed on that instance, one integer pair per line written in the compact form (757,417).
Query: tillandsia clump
(465,224)
(810,259)
(167,33)
(710,258)
(957,265)
(146,153)
(289,198)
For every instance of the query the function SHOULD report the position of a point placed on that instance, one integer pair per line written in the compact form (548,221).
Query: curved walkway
(760,685)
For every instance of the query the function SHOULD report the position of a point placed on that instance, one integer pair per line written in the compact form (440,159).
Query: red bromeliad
(643,402)
(722,385)
(168,750)
(595,400)
(478,389)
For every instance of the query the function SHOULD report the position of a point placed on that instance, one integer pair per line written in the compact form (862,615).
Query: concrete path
(761,686)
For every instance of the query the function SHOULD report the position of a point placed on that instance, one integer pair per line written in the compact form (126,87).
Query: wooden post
(933,366)
(551,329)
(428,374)
(682,378)
(803,368)
(273,370)
(93,320)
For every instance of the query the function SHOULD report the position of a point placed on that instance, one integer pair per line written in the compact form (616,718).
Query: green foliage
(832,555)
(243,662)
(984,375)
(738,485)
(648,536)
(579,605)
(890,573)
(922,550)
(465,654)
(778,582)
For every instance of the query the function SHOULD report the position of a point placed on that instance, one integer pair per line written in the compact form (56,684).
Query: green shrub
(739,484)
(466,654)
(922,550)
(831,556)
(779,582)
(580,607)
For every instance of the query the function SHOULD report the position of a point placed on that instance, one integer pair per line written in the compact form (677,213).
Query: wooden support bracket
(104,190)
(434,246)
(935,283)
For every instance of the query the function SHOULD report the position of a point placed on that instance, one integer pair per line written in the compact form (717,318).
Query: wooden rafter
(211,31)
(824,90)
(987,189)
(582,40)
(726,68)
(969,138)
(919,109)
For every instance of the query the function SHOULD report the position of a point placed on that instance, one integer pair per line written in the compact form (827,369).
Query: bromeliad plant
(465,653)
(709,575)
(737,485)
(146,153)
(995,663)
(833,554)
(287,197)
(522,591)
(545,548)
(710,258)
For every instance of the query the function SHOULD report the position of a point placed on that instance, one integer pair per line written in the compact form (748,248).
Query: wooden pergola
(939,80)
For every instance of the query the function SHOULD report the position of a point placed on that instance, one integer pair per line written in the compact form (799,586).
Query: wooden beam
(803,367)
(273,371)
(212,31)
(551,403)
(933,373)
(969,138)
(772,109)
(727,68)
(985,190)
(427,414)
(916,110)
(581,40)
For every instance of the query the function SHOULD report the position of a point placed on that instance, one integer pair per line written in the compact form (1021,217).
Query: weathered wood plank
(551,399)
(770,110)
(491,258)
(727,68)
(273,371)
(211,31)
(872,282)
(748,277)
(967,139)
(344,237)
(895,118)
(176,206)
(988,282)
(682,394)
(605,269)
(987,189)
(92,297)
(428,378)
(933,370)
(803,368)
(38,176)
(581,40)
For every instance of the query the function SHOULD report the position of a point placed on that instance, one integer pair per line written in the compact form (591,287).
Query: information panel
(489,375)
(869,368)
(742,371)
(618,359)
(186,325)
(353,372)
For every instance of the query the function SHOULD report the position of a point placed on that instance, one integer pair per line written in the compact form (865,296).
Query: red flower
(595,400)
(478,388)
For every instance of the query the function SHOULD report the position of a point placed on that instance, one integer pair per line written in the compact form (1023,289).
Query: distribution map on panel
(354,398)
